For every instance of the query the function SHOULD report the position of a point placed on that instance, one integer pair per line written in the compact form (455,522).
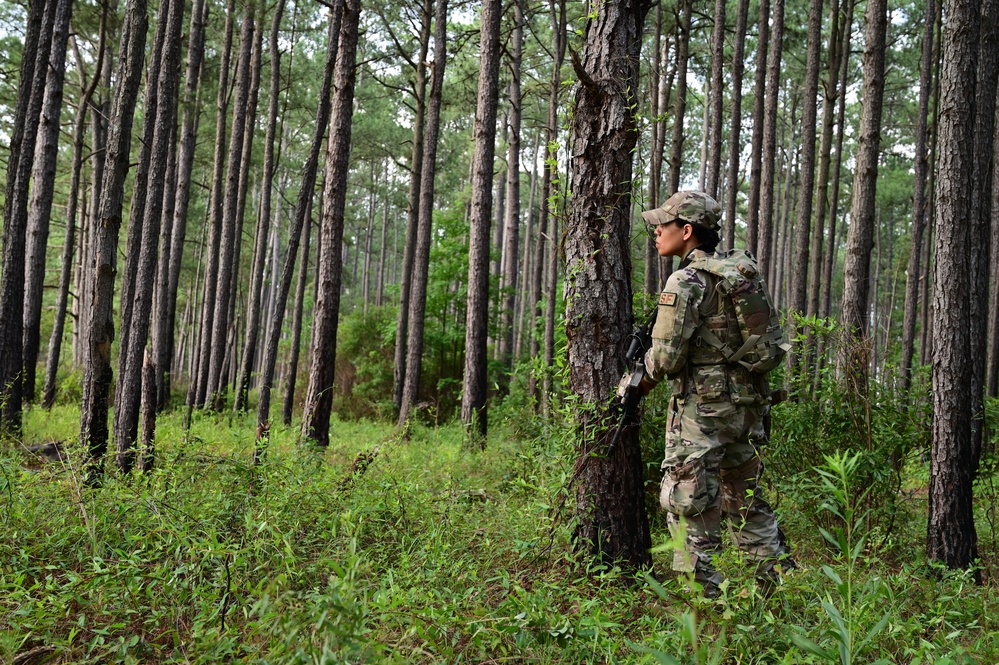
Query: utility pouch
(684,489)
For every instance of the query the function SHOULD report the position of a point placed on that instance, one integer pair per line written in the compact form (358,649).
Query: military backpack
(740,282)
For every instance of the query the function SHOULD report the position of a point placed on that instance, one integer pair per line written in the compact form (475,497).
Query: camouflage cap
(693,207)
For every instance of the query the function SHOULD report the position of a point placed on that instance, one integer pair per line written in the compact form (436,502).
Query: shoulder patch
(668,298)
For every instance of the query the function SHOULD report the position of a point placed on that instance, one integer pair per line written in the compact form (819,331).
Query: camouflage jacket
(688,302)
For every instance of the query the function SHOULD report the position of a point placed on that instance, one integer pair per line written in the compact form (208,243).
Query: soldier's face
(672,239)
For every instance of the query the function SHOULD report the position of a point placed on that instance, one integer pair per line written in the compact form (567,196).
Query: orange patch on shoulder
(668,299)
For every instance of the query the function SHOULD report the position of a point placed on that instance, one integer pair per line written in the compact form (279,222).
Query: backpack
(739,280)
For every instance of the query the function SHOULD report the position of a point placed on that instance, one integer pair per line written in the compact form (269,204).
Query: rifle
(629,392)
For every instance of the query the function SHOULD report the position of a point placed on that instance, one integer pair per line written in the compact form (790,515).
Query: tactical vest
(746,330)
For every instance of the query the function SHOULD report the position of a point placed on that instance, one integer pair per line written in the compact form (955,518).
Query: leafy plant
(848,614)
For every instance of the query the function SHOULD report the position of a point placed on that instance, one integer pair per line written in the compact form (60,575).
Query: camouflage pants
(712,470)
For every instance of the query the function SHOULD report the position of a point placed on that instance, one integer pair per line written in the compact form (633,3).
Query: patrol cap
(693,207)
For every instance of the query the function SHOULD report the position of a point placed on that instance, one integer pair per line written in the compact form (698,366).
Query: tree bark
(382,250)
(717,100)
(97,372)
(167,298)
(767,193)
(303,209)
(829,261)
(656,149)
(735,149)
(65,273)
(100,113)
(806,189)
(296,326)
(131,358)
(612,522)
(859,243)
(980,212)
(759,113)
(511,235)
(409,246)
(140,191)
(319,398)
(830,93)
(42,191)
(30,94)
(680,105)
(473,403)
(421,254)
(951,538)
(147,457)
(919,201)
(198,390)
(546,218)
(231,214)
(992,370)
(254,308)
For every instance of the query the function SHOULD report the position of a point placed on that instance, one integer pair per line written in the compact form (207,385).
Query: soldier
(712,464)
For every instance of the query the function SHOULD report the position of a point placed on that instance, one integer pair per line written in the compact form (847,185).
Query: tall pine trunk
(473,403)
(30,94)
(42,191)
(717,100)
(409,246)
(303,208)
(829,260)
(511,234)
(163,332)
(830,93)
(680,105)
(97,371)
(951,538)
(296,326)
(546,218)
(769,155)
(254,308)
(860,238)
(65,273)
(802,237)
(197,392)
(319,397)
(735,146)
(759,112)
(231,214)
(132,352)
(914,274)
(612,521)
(421,255)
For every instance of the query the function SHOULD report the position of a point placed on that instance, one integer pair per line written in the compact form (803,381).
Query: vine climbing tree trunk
(613,525)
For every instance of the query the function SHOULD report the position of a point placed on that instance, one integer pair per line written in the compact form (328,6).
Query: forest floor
(379,550)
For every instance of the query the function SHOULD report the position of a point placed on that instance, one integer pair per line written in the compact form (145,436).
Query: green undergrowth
(426,551)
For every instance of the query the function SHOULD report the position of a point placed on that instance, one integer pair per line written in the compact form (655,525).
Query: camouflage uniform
(712,465)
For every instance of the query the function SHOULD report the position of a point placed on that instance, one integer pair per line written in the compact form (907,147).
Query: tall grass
(429,553)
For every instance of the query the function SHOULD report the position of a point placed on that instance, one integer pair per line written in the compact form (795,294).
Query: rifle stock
(629,390)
